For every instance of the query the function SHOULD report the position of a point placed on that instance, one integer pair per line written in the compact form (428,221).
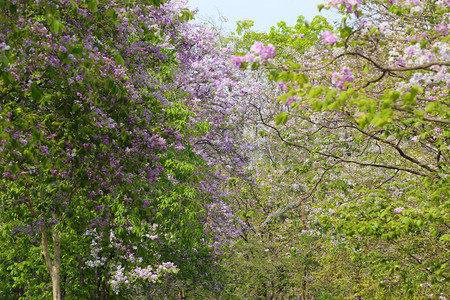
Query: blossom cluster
(258,53)
(340,78)
(122,279)
(329,38)
(398,210)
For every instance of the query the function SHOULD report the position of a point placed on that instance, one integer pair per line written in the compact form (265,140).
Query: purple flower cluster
(398,210)
(329,38)
(258,53)
(339,79)
(265,52)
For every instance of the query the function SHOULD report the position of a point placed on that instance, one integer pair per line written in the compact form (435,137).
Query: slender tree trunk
(80,270)
(304,283)
(105,291)
(304,289)
(53,267)
(98,282)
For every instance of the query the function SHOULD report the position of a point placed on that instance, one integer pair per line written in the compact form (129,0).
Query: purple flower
(398,210)
(237,60)
(339,79)
(257,48)
(282,85)
(290,99)
(329,38)
(442,28)
(54,172)
(44,150)
(415,139)
(269,51)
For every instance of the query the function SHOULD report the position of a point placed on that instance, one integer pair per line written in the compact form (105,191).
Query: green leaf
(75,107)
(92,5)
(445,238)
(255,66)
(419,113)
(119,60)
(56,26)
(331,94)
(36,92)
(77,50)
(281,118)
(431,107)
(423,44)
(345,32)
(274,75)
(315,92)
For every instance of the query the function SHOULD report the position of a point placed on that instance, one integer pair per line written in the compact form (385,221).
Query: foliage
(363,123)
(103,168)
(288,39)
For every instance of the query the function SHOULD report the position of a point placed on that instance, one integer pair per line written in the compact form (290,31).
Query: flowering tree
(273,257)
(105,170)
(368,111)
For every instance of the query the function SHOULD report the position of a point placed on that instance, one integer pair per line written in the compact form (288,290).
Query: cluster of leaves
(290,40)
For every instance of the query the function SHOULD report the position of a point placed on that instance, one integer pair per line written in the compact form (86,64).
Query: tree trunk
(80,270)
(98,282)
(53,267)
(105,291)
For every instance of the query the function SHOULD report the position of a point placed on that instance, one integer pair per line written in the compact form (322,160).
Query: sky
(265,13)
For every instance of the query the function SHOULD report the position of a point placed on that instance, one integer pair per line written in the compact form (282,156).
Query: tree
(100,158)
(368,112)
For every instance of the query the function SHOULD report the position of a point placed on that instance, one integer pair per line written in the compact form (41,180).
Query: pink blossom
(268,52)
(282,85)
(398,210)
(329,38)
(339,79)
(237,60)
(258,51)
(257,48)
(442,28)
